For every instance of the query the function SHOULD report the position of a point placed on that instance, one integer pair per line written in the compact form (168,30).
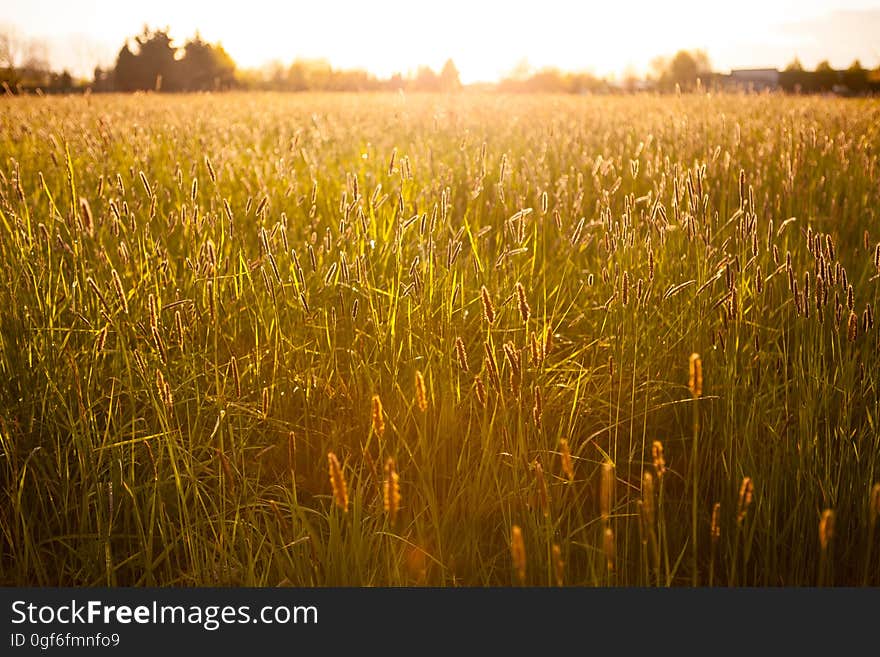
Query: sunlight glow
(485,39)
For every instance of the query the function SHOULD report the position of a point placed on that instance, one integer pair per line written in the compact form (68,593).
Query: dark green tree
(856,78)
(204,67)
(825,76)
(152,62)
(126,74)
(794,79)
(151,66)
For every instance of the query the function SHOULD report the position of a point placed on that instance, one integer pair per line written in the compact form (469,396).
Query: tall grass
(477,312)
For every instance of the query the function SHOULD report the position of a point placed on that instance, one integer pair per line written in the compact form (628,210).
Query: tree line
(319,75)
(855,80)
(24,65)
(687,69)
(151,61)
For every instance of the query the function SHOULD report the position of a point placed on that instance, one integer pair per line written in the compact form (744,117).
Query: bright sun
(486,39)
(489,39)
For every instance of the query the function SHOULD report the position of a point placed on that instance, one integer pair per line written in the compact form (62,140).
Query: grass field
(439,340)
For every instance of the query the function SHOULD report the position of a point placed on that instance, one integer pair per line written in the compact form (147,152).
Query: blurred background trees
(681,71)
(24,64)
(855,80)
(152,61)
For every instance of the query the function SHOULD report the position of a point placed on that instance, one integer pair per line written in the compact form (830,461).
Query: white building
(754,79)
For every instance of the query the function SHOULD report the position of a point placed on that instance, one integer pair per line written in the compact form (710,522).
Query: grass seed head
(608,549)
(492,368)
(480,390)
(101,339)
(154,311)
(378,416)
(565,455)
(695,382)
(163,389)
(518,553)
(160,345)
(88,223)
(657,457)
(513,359)
(538,408)
(524,310)
(746,490)
(146,184)
(715,527)
(488,308)
(391,490)
(421,393)
(120,291)
(211,171)
(559,564)
(852,331)
(606,490)
(826,528)
(337,483)
(461,354)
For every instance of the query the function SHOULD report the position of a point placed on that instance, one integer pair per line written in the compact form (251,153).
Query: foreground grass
(204,296)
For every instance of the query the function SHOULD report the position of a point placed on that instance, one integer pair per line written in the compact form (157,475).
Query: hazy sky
(485,38)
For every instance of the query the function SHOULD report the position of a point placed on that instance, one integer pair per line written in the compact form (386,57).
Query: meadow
(445,340)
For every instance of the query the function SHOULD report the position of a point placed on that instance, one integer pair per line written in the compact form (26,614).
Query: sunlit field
(383,340)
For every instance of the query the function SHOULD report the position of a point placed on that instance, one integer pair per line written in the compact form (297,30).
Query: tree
(102,80)
(426,80)
(522,70)
(126,74)
(60,82)
(584,82)
(793,78)
(449,77)
(548,80)
(856,78)
(23,62)
(14,48)
(298,76)
(682,70)
(396,82)
(157,57)
(152,66)
(154,63)
(34,71)
(704,65)
(204,67)
(825,76)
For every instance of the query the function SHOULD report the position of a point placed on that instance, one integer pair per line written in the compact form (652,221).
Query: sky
(486,39)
